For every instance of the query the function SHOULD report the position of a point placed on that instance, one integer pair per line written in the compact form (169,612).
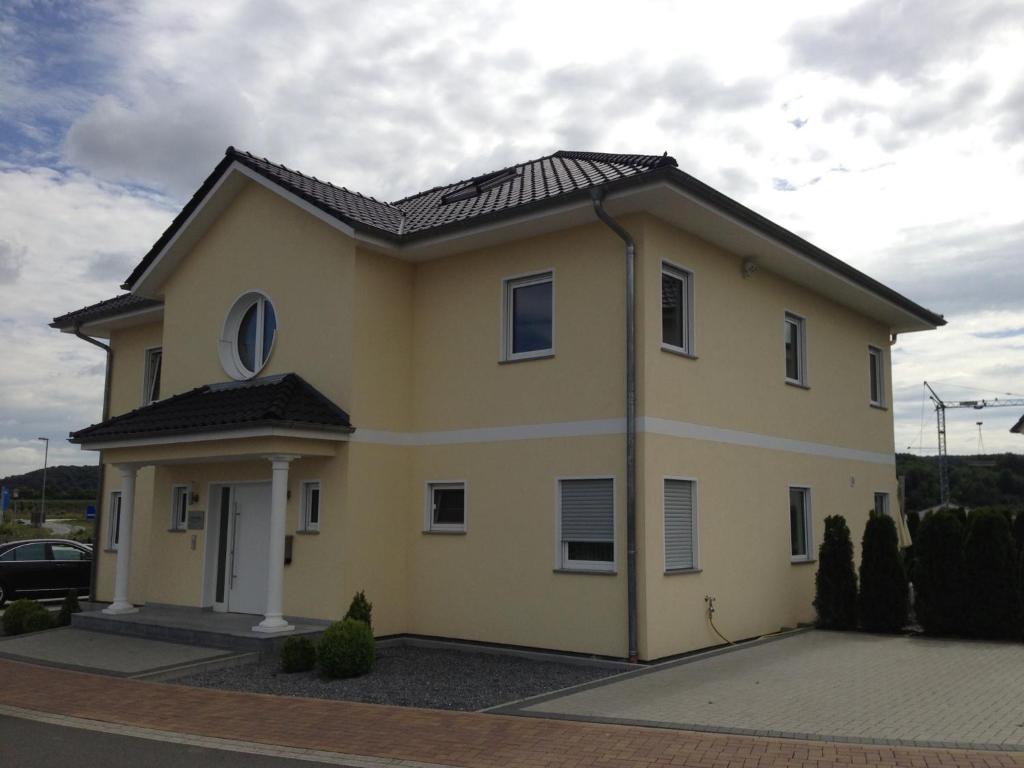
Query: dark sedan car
(43,568)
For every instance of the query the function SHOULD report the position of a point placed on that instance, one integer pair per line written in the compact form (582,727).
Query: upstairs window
(179,507)
(876,377)
(248,336)
(676,309)
(151,387)
(529,316)
(794,328)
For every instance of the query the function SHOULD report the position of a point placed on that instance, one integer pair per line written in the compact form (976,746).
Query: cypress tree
(883,582)
(993,599)
(939,591)
(835,584)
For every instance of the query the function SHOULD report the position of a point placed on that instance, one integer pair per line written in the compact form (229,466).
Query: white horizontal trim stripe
(645,424)
(492,434)
(656,426)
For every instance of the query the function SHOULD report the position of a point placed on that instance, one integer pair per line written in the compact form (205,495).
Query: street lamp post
(46,456)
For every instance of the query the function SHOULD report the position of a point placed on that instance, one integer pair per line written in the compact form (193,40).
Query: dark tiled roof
(273,401)
(518,189)
(119,305)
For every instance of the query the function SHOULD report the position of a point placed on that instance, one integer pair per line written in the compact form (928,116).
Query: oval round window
(248,338)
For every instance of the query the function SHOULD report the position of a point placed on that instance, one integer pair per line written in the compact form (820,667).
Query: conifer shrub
(346,649)
(360,609)
(24,616)
(883,600)
(940,594)
(68,607)
(298,654)
(1018,531)
(991,569)
(835,584)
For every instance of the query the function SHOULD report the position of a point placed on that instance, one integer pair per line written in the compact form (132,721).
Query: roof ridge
(243,154)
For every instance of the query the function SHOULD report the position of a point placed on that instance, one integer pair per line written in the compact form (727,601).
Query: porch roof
(284,401)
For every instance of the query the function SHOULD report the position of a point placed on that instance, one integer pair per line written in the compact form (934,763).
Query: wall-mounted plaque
(196,519)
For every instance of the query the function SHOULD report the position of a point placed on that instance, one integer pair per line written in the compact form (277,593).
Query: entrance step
(196,626)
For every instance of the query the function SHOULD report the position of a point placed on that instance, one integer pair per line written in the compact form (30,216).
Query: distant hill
(62,482)
(974,481)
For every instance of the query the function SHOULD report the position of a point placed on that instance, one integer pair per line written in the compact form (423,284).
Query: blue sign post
(90,512)
(5,499)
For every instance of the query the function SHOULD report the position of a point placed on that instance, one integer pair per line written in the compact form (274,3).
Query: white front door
(249,532)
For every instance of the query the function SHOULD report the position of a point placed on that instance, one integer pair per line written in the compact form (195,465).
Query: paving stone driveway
(824,685)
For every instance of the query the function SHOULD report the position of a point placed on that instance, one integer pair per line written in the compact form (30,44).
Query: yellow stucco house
(555,406)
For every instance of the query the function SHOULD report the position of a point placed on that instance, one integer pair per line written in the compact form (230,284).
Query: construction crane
(941,406)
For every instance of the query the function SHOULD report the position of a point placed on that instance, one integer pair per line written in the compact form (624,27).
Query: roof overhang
(212,436)
(102,327)
(667,193)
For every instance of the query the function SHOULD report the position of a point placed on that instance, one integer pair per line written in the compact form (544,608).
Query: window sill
(797,384)
(110,551)
(307,533)
(442,532)
(679,571)
(587,571)
(801,560)
(678,351)
(176,530)
(879,406)
(527,358)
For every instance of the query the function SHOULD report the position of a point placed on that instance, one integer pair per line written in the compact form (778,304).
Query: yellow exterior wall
(416,347)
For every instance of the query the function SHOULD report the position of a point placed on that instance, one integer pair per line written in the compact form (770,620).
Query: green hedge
(940,594)
(835,584)
(991,569)
(298,654)
(883,603)
(24,616)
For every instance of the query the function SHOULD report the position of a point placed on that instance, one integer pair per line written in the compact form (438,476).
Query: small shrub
(346,649)
(990,559)
(835,584)
(298,654)
(68,607)
(360,609)
(24,616)
(883,582)
(939,590)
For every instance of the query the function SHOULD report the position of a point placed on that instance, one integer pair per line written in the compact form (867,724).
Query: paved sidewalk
(849,686)
(468,740)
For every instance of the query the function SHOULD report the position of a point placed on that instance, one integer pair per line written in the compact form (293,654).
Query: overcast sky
(889,133)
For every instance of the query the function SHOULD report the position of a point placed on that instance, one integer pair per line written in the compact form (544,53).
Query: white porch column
(272,619)
(124,542)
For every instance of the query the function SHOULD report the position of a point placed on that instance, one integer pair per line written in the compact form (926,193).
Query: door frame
(211,542)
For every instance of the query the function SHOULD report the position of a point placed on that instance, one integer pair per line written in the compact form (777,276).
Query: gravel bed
(412,677)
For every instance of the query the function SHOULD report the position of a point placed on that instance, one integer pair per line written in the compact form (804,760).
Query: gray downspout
(631,602)
(94,568)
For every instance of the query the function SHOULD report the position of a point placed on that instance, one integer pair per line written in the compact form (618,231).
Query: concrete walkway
(364,734)
(854,687)
(118,655)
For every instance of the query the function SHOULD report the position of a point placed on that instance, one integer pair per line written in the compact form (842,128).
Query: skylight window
(480,184)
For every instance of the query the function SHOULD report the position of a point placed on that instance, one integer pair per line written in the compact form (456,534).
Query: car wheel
(3,594)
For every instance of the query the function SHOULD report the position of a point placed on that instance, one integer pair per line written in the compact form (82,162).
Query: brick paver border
(465,739)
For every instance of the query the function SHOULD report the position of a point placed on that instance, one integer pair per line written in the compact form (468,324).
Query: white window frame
(694,523)
(306,525)
(508,287)
(562,561)
(180,522)
(229,358)
(114,521)
(686,276)
(885,503)
(429,526)
(802,380)
(876,352)
(808,557)
(150,374)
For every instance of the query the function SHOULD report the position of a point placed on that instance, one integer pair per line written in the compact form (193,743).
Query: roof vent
(480,184)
